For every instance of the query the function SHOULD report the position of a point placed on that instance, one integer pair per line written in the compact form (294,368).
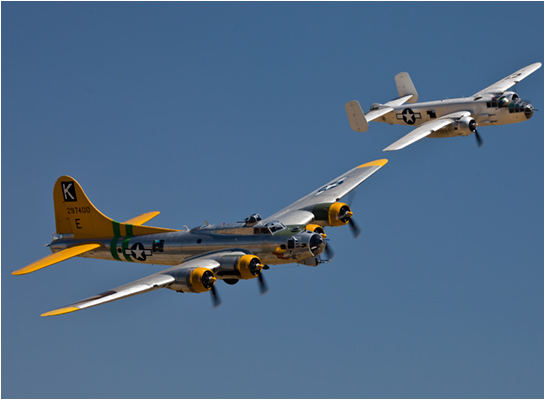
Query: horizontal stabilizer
(399,101)
(142,219)
(56,257)
(379,112)
(357,119)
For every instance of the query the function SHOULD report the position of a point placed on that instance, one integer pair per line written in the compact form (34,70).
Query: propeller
(216,301)
(263,288)
(329,253)
(479,140)
(354,228)
(473,128)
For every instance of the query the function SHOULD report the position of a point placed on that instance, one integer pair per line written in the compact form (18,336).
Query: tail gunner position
(446,118)
(201,256)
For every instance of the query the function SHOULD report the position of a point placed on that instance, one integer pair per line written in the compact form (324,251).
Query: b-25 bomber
(201,256)
(446,118)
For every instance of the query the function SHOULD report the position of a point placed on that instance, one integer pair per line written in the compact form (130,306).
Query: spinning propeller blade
(263,288)
(479,140)
(216,301)
(354,228)
(329,253)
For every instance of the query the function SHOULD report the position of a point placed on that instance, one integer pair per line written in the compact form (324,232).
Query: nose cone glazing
(528,111)
(316,244)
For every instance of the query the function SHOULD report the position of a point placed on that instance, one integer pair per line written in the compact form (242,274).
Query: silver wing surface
(298,213)
(426,129)
(156,281)
(511,80)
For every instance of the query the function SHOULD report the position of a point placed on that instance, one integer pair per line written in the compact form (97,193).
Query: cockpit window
(269,229)
(503,102)
(275,226)
(517,106)
(252,219)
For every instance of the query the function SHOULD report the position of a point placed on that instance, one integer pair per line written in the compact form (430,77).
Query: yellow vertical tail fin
(75,214)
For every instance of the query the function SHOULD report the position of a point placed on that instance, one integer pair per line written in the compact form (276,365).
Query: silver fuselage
(282,247)
(486,110)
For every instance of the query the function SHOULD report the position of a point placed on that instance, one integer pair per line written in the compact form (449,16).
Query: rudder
(75,214)
(405,86)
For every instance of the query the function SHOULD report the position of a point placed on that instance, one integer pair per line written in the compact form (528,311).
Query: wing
(142,219)
(56,257)
(501,86)
(298,214)
(156,281)
(426,129)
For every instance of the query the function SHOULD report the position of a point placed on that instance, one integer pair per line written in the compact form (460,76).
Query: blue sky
(219,110)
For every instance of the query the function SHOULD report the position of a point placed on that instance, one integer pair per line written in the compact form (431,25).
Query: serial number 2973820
(78,210)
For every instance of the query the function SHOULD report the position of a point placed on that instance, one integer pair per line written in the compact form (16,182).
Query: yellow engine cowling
(339,214)
(201,280)
(249,266)
(315,228)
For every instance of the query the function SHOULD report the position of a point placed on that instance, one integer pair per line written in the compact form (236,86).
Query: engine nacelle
(332,214)
(249,266)
(315,228)
(466,126)
(196,280)
(339,214)
(245,266)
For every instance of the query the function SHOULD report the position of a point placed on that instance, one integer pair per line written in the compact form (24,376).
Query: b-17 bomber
(198,258)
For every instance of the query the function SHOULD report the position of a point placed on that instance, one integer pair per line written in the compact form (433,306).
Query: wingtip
(379,163)
(18,272)
(60,311)
(26,270)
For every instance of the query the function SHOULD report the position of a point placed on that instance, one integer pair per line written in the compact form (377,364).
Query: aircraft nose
(528,111)
(316,244)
